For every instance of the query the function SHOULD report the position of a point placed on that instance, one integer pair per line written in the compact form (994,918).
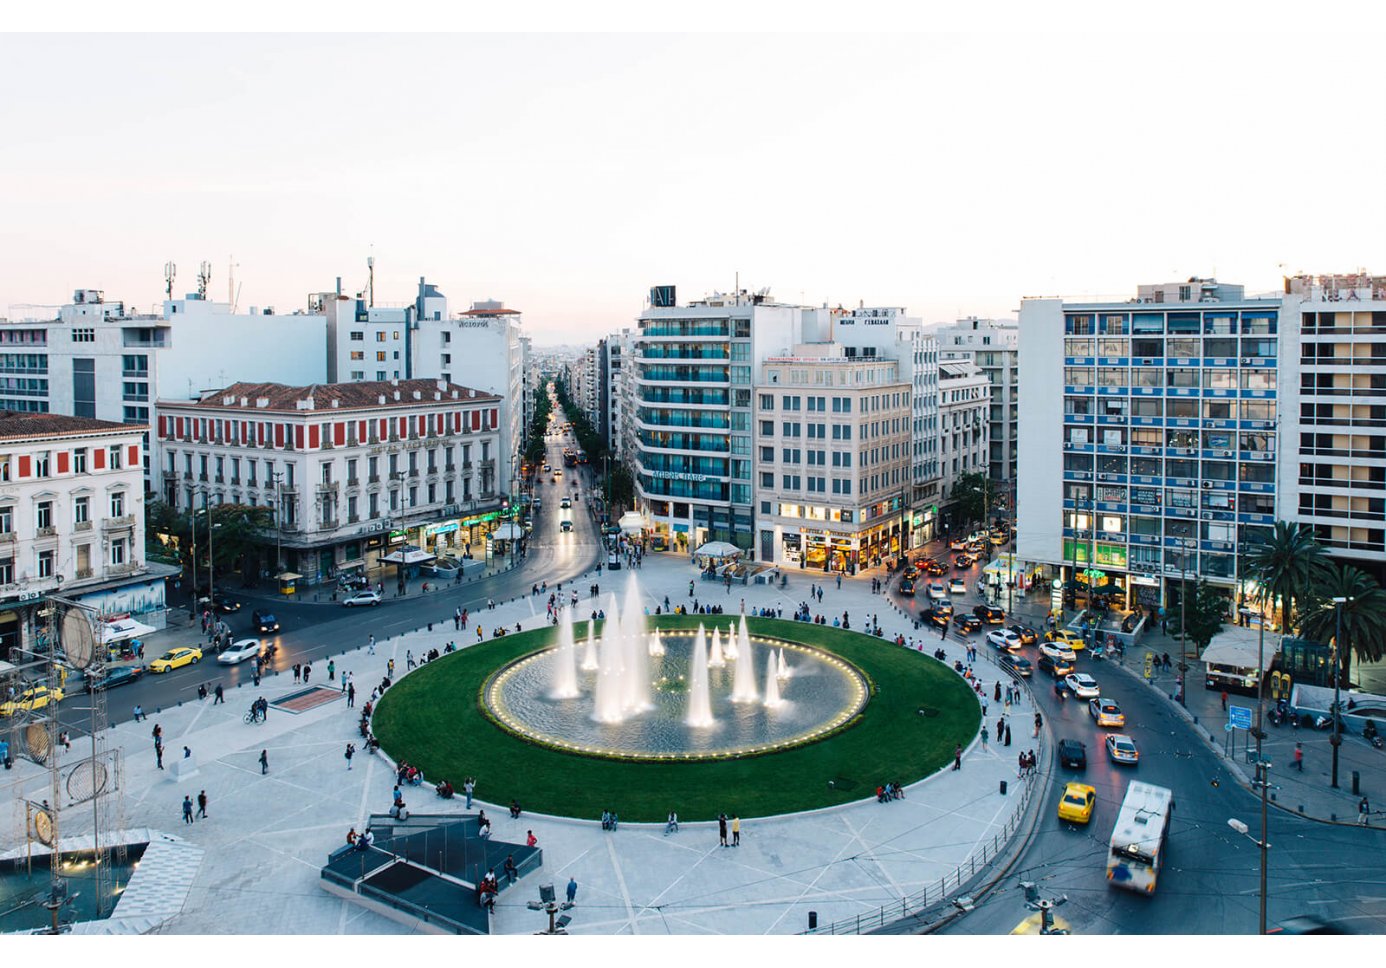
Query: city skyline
(565,174)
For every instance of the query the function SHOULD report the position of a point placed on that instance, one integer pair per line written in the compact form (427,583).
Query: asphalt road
(311,631)
(1210,883)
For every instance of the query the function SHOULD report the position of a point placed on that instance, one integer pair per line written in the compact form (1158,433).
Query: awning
(508,532)
(408,555)
(1239,647)
(122,629)
(718,549)
(632,521)
(288,576)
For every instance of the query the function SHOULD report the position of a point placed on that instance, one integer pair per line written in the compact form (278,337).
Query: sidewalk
(273,833)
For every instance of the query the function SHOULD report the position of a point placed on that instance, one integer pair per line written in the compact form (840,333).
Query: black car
(1072,754)
(116,676)
(226,606)
(1017,664)
(935,618)
(264,622)
(967,623)
(1057,668)
(992,616)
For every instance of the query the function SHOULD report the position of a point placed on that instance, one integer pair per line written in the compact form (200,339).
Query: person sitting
(514,809)
(614,820)
(414,776)
(351,837)
(364,841)
(372,744)
(1369,730)
(606,819)
(444,790)
(671,826)
(484,830)
(397,809)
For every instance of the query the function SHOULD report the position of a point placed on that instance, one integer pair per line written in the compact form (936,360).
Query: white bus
(1140,837)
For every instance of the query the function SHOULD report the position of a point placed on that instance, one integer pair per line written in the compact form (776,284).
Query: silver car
(238,651)
(1082,685)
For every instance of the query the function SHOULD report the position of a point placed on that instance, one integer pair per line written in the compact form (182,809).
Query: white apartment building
(994,345)
(964,407)
(72,521)
(613,359)
(833,454)
(354,470)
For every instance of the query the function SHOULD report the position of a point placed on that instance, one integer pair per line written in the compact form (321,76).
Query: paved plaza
(266,837)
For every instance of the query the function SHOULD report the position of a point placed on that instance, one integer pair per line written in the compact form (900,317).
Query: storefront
(923,526)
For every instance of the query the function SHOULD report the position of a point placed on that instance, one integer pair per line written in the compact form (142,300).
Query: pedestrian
(218,695)
(202,804)
(1020,770)
(986,735)
(998,690)
(139,713)
(572,890)
(264,762)
(159,754)
(298,671)
(1008,736)
(839,581)
(350,752)
(957,757)
(530,839)
(331,670)
(511,871)
(187,810)
(722,829)
(943,631)
(187,753)
(1039,721)
(370,645)
(468,785)
(351,695)
(1363,810)
(1299,757)
(390,668)
(1223,697)
(736,830)
(307,671)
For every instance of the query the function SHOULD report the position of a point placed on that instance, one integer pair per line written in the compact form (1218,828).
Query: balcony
(83,573)
(46,532)
(353,482)
(116,524)
(7,537)
(82,526)
(373,479)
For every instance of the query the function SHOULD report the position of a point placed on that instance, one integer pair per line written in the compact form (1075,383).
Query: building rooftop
(15,425)
(370,395)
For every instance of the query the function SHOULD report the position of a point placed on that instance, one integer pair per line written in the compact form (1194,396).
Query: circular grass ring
(434,719)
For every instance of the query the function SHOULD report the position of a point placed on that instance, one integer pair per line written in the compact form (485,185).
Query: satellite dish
(78,639)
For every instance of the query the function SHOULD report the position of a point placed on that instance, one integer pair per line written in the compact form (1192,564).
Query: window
(81,510)
(358,336)
(6,571)
(44,515)
(84,336)
(791,482)
(767,401)
(117,458)
(42,464)
(118,546)
(396,336)
(45,564)
(767,454)
(117,504)
(380,336)
(767,479)
(380,356)
(358,354)
(6,521)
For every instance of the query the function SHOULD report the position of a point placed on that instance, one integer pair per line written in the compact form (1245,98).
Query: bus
(582,457)
(1140,837)
(569,459)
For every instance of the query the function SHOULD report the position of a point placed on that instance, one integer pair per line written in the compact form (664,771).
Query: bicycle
(252,717)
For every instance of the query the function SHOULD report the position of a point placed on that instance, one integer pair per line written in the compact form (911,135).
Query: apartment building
(72,521)
(1157,457)
(964,407)
(832,458)
(353,470)
(993,345)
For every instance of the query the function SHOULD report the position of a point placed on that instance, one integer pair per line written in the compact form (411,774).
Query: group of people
(889,790)
(405,773)
(1027,763)
(609,820)
(259,710)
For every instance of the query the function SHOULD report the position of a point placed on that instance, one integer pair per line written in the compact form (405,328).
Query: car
(959,545)
(538,503)
(1057,650)
(1106,712)
(932,567)
(999,539)
(937,592)
(362,598)
(1004,639)
(911,573)
(989,614)
(264,622)
(35,697)
(225,604)
(567,502)
(565,526)
(113,676)
(1028,636)
(956,586)
(1122,749)
(1016,663)
(1072,639)
(176,659)
(1076,804)
(1057,668)
(935,618)
(1073,754)
(964,561)
(546,468)
(1082,685)
(558,472)
(907,587)
(238,651)
(944,605)
(967,623)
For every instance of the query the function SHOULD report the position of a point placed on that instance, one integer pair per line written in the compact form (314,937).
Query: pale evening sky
(565,174)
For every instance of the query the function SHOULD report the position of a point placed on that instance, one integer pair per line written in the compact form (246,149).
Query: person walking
(722,829)
(298,671)
(202,804)
(350,752)
(839,581)
(351,695)
(736,830)
(217,695)
(1039,721)
(1364,810)
(187,809)
(370,645)
(307,671)
(390,668)
(1008,735)
(408,659)
(468,785)
(1299,757)
(331,670)
(572,890)
(986,735)
(159,754)
(957,757)
(1223,697)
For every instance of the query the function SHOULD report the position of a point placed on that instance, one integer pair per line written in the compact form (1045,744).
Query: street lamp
(1242,829)
(1337,739)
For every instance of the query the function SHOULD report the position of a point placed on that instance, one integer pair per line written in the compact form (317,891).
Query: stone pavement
(266,837)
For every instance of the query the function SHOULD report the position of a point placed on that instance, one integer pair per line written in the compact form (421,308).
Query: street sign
(1239,717)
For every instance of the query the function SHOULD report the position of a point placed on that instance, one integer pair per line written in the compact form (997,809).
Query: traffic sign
(1239,717)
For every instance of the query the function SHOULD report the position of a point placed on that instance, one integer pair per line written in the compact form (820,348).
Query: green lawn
(433,719)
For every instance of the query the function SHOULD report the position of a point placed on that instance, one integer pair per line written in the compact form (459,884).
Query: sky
(953,173)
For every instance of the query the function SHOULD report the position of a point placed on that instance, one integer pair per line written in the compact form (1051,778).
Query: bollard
(813,920)
(1003,788)
(1356,783)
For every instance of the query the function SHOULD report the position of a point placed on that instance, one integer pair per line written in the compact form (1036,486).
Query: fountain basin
(823,695)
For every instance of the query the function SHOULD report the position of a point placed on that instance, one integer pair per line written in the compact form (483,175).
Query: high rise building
(992,344)
(964,403)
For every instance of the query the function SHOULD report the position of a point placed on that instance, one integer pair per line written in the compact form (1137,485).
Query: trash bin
(1003,788)
(813,920)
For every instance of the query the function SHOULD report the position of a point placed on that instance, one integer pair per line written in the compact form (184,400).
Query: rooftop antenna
(170,271)
(231,268)
(370,285)
(204,276)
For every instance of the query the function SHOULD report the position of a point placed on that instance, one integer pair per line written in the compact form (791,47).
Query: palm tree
(1363,616)
(1287,564)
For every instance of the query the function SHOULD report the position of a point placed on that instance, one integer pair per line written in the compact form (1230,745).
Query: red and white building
(71,520)
(353,470)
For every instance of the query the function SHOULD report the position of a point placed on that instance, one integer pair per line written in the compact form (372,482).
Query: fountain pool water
(715,659)
(565,661)
(772,682)
(699,697)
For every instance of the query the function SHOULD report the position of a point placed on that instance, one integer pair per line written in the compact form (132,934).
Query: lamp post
(1183,629)
(1262,766)
(1337,738)
(1242,829)
(211,561)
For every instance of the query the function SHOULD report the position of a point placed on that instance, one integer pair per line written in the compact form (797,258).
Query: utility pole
(1262,767)
(211,561)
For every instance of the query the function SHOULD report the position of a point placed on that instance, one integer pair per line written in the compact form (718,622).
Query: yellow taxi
(175,659)
(1077,802)
(30,699)
(1071,639)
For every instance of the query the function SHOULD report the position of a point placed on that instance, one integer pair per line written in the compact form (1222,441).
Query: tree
(1204,615)
(972,492)
(1287,564)
(1363,617)
(238,528)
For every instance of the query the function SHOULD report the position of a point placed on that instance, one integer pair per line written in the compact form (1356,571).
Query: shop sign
(678,476)
(397,537)
(448,528)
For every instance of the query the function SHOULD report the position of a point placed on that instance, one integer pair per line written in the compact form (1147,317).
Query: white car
(362,598)
(1004,639)
(959,545)
(565,503)
(1057,650)
(239,651)
(1082,685)
(956,586)
(936,592)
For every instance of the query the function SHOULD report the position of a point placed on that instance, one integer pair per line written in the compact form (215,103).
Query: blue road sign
(1239,717)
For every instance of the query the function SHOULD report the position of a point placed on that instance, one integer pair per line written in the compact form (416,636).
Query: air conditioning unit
(1246,361)
(1207,515)
(1101,477)
(1207,484)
